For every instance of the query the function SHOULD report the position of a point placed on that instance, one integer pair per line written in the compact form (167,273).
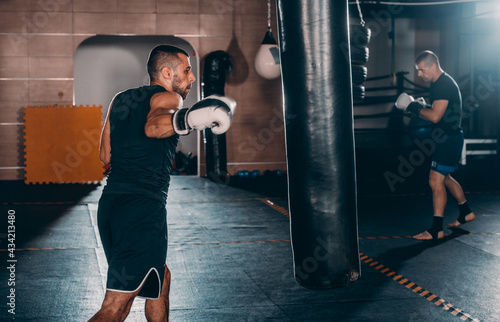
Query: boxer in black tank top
(138,144)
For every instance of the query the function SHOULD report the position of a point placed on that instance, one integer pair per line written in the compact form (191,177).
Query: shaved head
(428,57)
(164,56)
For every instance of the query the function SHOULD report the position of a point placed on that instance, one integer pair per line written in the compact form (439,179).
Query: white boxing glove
(403,101)
(409,105)
(213,112)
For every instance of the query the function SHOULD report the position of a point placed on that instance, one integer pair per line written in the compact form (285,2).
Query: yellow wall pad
(62,144)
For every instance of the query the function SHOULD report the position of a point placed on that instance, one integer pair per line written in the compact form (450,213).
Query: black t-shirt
(445,88)
(139,164)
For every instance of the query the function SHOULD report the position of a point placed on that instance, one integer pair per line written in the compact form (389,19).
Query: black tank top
(139,164)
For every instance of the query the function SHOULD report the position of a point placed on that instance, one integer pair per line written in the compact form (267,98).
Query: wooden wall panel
(49,22)
(55,91)
(252,8)
(77,40)
(209,44)
(14,90)
(37,5)
(94,5)
(256,141)
(216,25)
(252,25)
(95,23)
(217,7)
(144,6)
(174,24)
(10,46)
(184,6)
(50,46)
(259,100)
(13,148)
(12,112)
(11,174)
(51,67)
(136,23)
(13,22)
(13,5)
(16,67)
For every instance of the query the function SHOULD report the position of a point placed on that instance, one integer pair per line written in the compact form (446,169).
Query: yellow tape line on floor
(433,298)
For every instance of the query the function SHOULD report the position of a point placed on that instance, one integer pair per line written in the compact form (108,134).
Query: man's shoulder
(139,93)
(446,79)
(143,90)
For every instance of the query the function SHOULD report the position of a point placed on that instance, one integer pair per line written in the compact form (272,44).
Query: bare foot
(469,217)
(427,236)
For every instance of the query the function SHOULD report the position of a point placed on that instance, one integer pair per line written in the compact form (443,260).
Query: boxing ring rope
(402,84)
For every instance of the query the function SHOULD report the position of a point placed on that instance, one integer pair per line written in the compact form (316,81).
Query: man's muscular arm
(434,114)
(105,147)
(159,121)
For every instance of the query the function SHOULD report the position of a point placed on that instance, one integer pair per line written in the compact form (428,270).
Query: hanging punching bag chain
(360,13)
(268,14)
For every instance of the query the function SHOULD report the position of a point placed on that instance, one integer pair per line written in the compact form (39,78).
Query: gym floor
(231,259)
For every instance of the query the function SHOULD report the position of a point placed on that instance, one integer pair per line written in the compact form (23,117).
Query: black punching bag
(319,134)
(216,66)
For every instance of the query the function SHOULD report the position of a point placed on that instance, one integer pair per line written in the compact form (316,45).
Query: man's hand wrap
(414,108)
(409,105)
(213,112)
(179,122)
(422,101)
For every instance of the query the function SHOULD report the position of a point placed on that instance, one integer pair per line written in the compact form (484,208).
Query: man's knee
(110,313)
(118,298)
(436,180)
(166,282)
(118,303)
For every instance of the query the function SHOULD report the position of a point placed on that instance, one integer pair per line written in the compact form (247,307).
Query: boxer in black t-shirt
(445,112)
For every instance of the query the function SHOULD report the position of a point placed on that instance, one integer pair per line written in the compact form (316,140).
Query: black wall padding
(216,66)
(319,134)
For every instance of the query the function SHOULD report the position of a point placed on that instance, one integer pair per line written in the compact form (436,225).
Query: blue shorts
(133,230)
(447,154)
